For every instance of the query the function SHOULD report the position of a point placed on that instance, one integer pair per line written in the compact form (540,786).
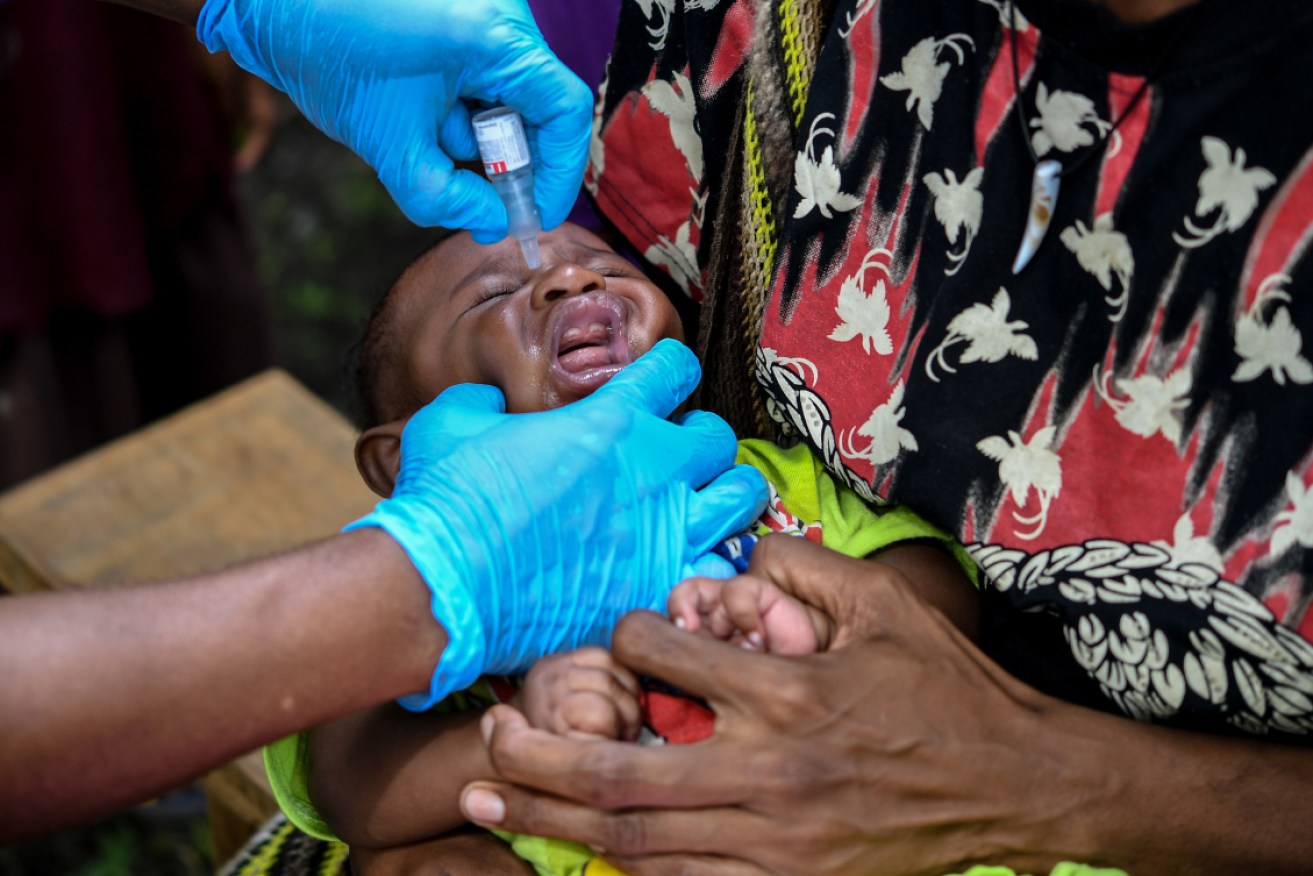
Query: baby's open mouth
(589,339)
(587,346)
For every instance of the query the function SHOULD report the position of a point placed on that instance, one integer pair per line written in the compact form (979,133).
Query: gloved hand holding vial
(394,80)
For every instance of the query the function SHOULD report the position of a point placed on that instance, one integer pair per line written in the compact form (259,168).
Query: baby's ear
(378,456)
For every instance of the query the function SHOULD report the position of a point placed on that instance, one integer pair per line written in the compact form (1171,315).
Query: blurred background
(170,225)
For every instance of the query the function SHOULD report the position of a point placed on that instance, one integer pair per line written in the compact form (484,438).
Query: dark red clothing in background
(126,286)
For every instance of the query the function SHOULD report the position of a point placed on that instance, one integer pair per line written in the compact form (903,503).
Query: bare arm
(138,689)
(389,777)
(940,582)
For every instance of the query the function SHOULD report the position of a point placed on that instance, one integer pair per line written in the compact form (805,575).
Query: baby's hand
(751,612)
(582,693)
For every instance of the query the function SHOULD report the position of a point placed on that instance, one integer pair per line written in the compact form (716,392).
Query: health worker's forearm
(183,11)
(112,696)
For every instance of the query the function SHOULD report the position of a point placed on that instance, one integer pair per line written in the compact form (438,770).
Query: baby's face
(545,337)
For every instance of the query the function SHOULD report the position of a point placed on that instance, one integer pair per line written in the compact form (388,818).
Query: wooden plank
(257,469)
(252,471)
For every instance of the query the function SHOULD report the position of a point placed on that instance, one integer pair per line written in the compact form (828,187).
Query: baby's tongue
(586,348)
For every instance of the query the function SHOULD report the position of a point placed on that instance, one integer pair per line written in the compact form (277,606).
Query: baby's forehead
(437,270)
(456,260)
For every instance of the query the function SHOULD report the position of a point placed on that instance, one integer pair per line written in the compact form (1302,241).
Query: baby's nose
(564,280)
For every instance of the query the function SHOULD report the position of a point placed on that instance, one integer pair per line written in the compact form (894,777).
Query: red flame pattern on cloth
(1123,433)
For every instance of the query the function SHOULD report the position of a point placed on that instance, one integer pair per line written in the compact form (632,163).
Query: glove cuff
(451,600)
(208,24)
(233,26)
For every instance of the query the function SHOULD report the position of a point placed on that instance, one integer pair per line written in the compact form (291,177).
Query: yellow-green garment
(808,492)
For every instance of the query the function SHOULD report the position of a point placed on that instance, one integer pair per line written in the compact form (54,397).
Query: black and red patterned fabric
(1122,432)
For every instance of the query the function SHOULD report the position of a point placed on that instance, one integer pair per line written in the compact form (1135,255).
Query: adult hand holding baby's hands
(901,750)
(388,77)
(536,532)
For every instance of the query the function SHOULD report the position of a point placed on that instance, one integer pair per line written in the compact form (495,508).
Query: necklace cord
(1094,148)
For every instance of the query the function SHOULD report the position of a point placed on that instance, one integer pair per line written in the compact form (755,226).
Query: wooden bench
(254,470)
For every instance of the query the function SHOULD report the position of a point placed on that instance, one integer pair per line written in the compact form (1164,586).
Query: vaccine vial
(506,162)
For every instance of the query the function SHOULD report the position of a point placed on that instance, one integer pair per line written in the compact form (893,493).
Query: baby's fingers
(768,618)
(594,668)
(743,603)
(602,698)
(591,715)
(692,601)
(696,605)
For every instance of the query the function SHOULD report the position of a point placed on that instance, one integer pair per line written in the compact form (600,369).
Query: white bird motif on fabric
(958,207)
(922,75)
(1024,466)
(883,429)
(663,9)
(1105,252)
(1149,403)
(1188,549)
(1273,345)
(674,100)
(1063,119)
(862,314)
(1227,186)
(990,336)
(817,180)
(1294,526)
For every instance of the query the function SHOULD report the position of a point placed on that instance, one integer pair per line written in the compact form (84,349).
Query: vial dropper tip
(529,246)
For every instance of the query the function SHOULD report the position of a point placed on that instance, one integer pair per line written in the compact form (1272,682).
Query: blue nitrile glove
(386,78)
(536,532)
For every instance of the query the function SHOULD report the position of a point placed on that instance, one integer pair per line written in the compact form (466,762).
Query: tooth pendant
(1043,201)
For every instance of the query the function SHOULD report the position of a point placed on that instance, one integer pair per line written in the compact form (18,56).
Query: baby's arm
(759,615)
(388,777)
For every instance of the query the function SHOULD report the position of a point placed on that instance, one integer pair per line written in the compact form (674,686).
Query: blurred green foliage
(167,838)
(329,242)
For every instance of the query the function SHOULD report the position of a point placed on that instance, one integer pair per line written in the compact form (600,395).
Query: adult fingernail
(485,727)
(483,806)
